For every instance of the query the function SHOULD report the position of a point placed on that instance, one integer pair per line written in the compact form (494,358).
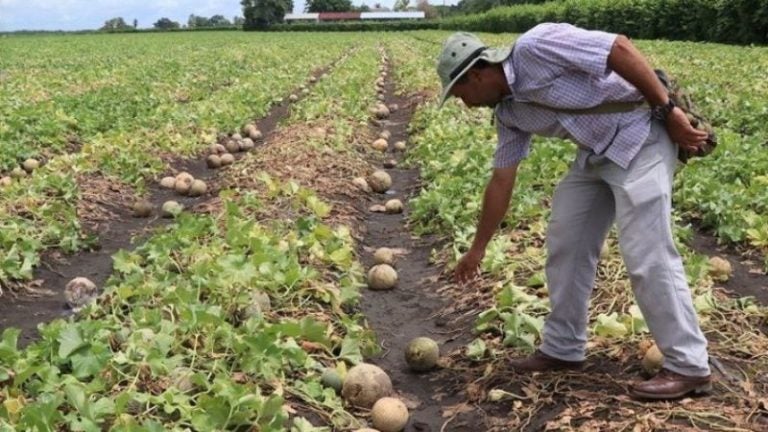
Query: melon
(171,209)
(422,354)
(380,181)
(197,188)
(293,98)
(385,134)
(259,304)
(227,159)
(380,145)
(182,186)
(213,161)
(217,149)
(168,182)
(390,163)
(185,177)
(382,277)
(380,111)
(5,181)
(255,135)
(247,144)
(653,360)
(331,378)
(394,206)
(393,107)
(312,79)
(232,146)
(365,384)
(720,269)
(30,165)
(18,173)
(237,137)
(389,415)
(377,208)
(400,146)
(361,184)
(79,291)
(384,255)
(182,379)
(248,129)
(142,208)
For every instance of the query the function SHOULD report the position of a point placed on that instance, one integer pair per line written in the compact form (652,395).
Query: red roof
(329,16)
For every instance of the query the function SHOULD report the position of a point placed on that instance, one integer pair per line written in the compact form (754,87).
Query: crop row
(219,321)
(126,128)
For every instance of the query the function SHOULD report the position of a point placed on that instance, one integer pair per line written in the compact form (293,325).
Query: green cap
(460,52)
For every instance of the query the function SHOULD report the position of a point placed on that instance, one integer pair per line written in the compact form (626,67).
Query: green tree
(166,24)
(401,5)
(429,11)
(328,6)
(260,14)
(195,21)
(218,21)
(115,24)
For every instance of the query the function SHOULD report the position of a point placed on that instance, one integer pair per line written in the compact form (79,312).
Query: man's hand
(681,132)
(468,266)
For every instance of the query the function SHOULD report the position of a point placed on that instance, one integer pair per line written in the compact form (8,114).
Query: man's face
(476,89)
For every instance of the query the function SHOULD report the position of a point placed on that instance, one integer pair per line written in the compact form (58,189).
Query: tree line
(194,21)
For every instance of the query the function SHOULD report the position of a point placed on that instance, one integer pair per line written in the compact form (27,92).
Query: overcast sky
(91,14)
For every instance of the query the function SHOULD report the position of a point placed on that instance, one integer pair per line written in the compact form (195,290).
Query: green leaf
(609,326)
(476,349)
(70,341)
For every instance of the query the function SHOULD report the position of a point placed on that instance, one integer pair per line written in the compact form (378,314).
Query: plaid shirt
(564,66)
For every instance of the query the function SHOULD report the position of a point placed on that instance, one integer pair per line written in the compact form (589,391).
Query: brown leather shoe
(670,385)
(540,362)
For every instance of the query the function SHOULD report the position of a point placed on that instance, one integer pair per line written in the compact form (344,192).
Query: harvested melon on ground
(380,111)
(400,146)
(217,149)
(227,159)
(393,107)
(365,384)
(247,144)
(6,181)
(390,163)
(389,415)
(653,360)
(168,182)
(720,269)
(384,255)
(237,137)
(142,208)
(80,291)
(422,354)
(197,188)
(377,208)
(380,181)
(213,161)
(394,206)
(293,98)
(259,304)
(183,185)
(380,145)
(382,277)
(18,173)
(171,209)
(30,165)
(232,146)
(385,134)
(361,184)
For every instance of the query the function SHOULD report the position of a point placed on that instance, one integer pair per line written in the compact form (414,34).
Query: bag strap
(605,108)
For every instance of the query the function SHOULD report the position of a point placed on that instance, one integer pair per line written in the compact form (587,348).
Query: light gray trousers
(585,205)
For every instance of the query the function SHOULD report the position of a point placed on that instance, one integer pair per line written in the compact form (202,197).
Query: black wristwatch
(660,112)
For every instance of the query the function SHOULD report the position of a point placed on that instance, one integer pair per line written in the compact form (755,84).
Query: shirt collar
(509,74)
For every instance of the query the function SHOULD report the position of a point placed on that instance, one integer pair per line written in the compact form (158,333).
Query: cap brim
(491,55)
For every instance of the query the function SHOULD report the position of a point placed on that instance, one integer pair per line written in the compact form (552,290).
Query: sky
(91,14)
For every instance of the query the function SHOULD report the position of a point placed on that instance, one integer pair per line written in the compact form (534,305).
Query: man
(623,172)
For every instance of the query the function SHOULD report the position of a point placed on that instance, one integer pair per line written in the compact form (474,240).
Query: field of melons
(258,166)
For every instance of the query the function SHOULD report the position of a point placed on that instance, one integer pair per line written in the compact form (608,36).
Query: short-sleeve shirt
(563,66)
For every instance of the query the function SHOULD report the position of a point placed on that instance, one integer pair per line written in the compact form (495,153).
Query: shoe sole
(699,390)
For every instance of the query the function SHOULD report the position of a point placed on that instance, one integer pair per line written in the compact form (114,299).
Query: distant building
(353,16)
